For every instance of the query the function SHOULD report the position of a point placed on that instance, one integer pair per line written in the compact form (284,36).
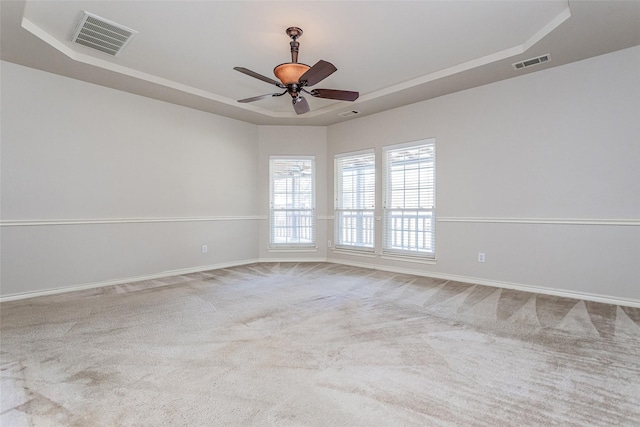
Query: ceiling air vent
(101,34)
(349,113)
(533,61)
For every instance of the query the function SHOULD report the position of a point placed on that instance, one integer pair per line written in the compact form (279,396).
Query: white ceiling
(393,52)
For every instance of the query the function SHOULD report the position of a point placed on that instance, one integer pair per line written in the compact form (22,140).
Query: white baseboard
(169,273)
(474,280)
(496,284)
(81,287)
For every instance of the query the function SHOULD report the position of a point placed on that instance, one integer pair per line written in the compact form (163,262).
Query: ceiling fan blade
(317,73)
(258,76)
(342,95)
(257,98)
(300,105)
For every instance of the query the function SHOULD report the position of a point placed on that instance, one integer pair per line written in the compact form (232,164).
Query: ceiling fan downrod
(294,33)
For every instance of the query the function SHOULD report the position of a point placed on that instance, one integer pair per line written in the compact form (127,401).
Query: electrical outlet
(329,243)
(204,249)
(480,256)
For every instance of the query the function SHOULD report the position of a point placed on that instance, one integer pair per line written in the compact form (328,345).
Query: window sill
(290,249)
(363,253)
(409,258)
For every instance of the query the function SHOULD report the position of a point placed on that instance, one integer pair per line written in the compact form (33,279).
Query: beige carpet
(317,344)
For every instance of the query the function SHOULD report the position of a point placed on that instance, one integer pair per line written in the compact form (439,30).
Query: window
(292,189)
(409,199)
(355,193)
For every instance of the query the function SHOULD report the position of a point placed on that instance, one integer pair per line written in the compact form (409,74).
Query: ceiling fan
(295,77)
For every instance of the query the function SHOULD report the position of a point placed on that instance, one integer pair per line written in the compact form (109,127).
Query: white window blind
(292,191)
(409,199)
(355,194)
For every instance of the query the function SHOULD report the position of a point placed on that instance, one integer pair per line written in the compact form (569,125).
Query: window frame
(363,215)
(417,228)
(308,214)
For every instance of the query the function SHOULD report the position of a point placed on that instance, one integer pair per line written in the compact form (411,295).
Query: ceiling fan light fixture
(290,72)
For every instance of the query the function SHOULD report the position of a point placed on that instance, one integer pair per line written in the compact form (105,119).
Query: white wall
(560,146)
(290,141)
(99,185)
(120,186)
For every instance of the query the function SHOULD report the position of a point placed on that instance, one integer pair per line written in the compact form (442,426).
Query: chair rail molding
(83,221)
(559,221)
